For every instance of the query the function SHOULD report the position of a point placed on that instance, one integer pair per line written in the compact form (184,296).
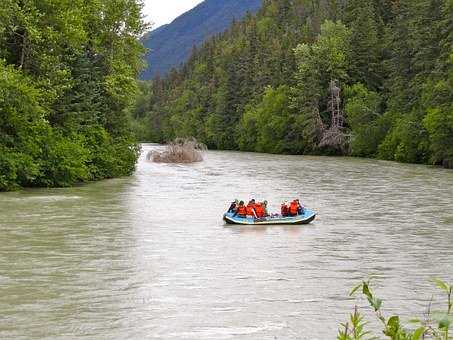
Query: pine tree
(366,51)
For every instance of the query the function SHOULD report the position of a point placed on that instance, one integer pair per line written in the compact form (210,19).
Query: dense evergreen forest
(265,84)
(68,72)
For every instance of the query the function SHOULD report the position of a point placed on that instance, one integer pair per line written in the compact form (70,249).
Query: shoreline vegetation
(68,74)
(265,84)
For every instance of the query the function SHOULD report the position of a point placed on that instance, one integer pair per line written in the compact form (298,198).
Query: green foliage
(354,329)
(21,122)
(248,129)
(440,128)
(406,141)
(365,44)
(438,100)
(317,64)
(263,128)
(109,157)
(62,161)
(328,56)
(392,61)
(367,125)
(16,169)
(67,71)
(436,326)
(322,61)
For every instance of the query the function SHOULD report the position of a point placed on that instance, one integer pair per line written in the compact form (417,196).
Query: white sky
(160,12)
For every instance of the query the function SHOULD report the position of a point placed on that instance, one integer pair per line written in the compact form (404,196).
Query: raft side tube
(306,218)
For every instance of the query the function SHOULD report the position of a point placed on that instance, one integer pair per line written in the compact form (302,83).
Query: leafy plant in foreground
(435,326)
(354,329)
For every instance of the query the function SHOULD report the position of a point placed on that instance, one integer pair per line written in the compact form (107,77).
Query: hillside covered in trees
(67,75)
(265,84)
(170,45)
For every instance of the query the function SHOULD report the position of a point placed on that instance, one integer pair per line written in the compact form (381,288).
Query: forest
(68,72)
(265,84)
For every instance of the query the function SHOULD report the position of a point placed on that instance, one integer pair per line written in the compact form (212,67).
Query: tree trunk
(23,52)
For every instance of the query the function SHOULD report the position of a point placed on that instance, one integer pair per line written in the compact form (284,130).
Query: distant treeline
(67,76)
(263,84)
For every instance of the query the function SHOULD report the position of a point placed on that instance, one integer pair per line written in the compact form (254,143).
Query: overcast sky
(162,12)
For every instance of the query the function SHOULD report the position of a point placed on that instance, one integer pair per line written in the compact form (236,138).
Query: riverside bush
(67,81)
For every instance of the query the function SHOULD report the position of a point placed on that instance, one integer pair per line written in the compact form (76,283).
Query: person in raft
(233,206)
(260,210)
(295,208)
(251,212)
(284,210)
(241,210)
(301,209)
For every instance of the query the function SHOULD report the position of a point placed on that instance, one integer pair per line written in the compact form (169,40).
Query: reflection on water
(148,257)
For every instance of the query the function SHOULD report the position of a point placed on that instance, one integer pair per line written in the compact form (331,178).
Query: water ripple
(148,257)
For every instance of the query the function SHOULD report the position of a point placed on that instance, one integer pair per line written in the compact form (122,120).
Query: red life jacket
(242,211)
(293,208)
(250,210)
(259,210)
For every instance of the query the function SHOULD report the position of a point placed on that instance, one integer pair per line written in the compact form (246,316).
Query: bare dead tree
(334,136)
(335,105)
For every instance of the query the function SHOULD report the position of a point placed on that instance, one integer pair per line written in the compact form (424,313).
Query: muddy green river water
(149,257)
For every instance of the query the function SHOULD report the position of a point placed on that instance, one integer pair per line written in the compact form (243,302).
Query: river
(148,257)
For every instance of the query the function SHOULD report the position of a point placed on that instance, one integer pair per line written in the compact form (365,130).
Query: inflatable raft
(306,218)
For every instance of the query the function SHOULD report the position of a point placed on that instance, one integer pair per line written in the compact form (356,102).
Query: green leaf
(438,316)
(444,320)
(394,321)
(366,290)
(414,321)
(441,284)
(356,288)
(376,303)
(419,332)
(445,323)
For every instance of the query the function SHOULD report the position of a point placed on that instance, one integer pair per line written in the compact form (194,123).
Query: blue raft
(306,218)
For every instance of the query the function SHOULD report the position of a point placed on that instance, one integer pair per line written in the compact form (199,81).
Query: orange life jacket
(259,209)
(250,209)
(242,210)
(293,208)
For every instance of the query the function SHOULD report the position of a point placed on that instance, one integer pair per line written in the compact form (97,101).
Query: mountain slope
(170,45)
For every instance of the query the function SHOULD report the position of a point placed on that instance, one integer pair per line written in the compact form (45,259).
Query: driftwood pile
(180,150)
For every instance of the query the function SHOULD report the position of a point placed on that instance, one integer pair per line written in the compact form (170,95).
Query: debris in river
(180,150)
